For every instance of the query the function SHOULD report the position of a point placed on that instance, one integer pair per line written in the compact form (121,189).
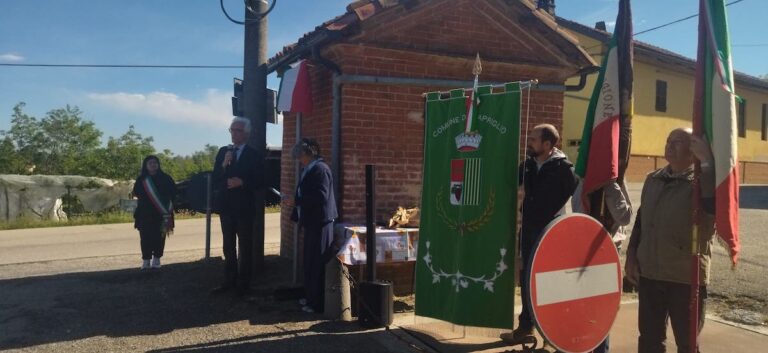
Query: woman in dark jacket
(154,214)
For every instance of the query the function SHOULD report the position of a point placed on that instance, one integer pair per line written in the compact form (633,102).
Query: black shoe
(223,288)
(627,287)
(519,335)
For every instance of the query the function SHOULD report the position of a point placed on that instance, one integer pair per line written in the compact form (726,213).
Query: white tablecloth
(392,245)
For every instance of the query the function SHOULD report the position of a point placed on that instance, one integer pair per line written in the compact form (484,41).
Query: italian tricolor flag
(295,93)
(598,161)
(715,117)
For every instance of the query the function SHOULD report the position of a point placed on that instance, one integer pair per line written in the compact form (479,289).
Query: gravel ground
(741,294)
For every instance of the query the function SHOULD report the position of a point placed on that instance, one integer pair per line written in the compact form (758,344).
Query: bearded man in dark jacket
(548,182)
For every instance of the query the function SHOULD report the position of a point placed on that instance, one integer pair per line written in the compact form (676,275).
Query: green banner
(465,270)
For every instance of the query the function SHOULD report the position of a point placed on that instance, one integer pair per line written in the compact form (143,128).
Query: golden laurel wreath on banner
(458,279)
(472,225)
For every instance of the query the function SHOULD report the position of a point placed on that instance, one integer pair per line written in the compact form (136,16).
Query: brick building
(370,66)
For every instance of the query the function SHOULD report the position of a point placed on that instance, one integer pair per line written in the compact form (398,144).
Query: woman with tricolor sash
(153,217)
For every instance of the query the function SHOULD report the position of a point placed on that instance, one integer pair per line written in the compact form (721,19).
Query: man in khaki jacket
(659,253)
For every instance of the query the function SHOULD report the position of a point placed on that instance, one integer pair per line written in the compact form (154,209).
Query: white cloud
(214,109)
(11,58)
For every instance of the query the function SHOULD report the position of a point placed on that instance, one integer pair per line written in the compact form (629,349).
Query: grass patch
(102,218)
(111,217)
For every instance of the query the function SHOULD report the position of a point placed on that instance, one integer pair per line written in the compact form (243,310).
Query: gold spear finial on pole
(478,68)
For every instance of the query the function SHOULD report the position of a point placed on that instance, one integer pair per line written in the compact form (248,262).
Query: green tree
(25,135)
(57,143)
(183,167)
(172,165)
(203,160)
(67,138)
(10,161)
(64,143)
(121,158)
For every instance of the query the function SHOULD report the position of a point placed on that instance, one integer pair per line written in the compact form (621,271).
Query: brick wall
(495,29)
(384,124)
(401,274)
(394,142)
(316,125)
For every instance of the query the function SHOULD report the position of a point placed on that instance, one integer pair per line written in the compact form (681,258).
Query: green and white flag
(465,270)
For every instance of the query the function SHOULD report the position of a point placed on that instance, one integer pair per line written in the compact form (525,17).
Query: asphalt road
(63,243)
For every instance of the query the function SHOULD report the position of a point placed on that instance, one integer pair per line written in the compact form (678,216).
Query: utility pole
(255,108)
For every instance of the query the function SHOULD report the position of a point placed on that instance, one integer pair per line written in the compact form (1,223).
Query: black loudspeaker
(375,308)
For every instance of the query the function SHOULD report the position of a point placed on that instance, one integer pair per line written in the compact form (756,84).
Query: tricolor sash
(160,206)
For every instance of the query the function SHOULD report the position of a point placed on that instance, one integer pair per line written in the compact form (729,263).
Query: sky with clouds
(185,109)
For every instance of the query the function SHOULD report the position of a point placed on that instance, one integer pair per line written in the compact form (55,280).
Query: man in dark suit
(236,179)
(315,211)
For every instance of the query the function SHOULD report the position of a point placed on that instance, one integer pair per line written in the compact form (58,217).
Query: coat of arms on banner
(465,182)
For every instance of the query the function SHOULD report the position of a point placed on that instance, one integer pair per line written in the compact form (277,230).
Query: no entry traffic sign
(575,283)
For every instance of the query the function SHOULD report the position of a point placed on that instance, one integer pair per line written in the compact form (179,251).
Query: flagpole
(610,145)
(297,172)
(476,70)
(626,79)
(698,118)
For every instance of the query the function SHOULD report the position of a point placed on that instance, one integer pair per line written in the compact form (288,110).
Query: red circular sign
(575,283)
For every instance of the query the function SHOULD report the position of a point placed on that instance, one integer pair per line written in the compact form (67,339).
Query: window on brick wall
(765,122)
(742,122)
(661,96)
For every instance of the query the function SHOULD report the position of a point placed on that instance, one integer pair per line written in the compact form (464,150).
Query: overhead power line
(680,20)
(665,25)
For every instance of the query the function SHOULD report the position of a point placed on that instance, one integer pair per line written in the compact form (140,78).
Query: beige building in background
(663,92)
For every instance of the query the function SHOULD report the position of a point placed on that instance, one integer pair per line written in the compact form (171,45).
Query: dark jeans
(152,242)
(660,302)
(237,269)
(315,259)
(527,242)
